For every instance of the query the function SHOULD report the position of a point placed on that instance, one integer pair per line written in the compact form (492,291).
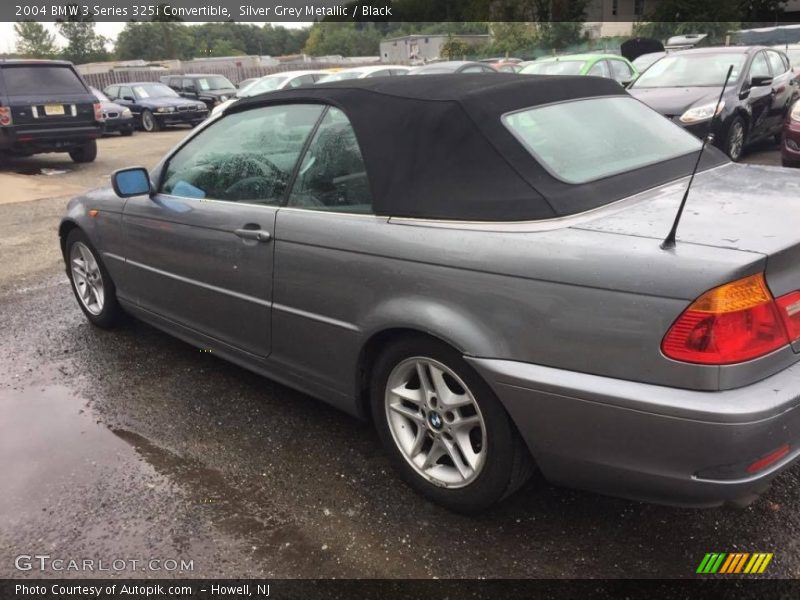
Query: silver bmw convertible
(475,263)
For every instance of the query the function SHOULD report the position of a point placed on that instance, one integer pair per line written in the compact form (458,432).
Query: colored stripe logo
(735,562)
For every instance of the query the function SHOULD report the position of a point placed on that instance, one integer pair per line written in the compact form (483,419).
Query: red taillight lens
(5,116)
(789,309)
(98,112)
(732,323)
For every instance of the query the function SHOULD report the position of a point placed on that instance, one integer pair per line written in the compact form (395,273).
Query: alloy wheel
(148,121)
(86,278)
(736,142)
(435,422)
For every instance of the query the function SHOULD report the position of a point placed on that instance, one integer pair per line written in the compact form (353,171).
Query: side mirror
(761,81)
(134,181)
(128,98)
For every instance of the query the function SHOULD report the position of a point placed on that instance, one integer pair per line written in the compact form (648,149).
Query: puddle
(68,482)
(47,440)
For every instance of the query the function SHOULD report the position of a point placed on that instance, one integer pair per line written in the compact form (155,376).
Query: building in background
(421,48)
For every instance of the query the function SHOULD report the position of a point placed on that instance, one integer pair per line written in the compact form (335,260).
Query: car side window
(620,71)
(243,157)
(302,80)
(112,91)
(775,61)
(760,66)
(125,92)
(187,86)
(332,175)
(600,69)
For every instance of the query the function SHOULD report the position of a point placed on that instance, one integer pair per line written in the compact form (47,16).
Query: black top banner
(330,10)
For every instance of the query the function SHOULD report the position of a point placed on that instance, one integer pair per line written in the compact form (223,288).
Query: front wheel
(443,427)
(735,138)
(149,122)
(91,282)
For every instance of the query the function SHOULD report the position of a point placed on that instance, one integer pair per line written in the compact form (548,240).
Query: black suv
(211,89)
(45,106)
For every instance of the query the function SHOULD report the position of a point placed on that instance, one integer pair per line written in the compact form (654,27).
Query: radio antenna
(669,241)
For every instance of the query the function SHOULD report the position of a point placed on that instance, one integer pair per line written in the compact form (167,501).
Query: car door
(200,252)
(758,99)
(188,89)
(321,276)
(782,90)
(127,98)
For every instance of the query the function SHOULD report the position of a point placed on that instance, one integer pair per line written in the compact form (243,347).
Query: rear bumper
(649,442)
(47,140)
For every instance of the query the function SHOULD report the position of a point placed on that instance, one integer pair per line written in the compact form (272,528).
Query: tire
(126,132)
(735,138)
(101,311)
(149,123)
(85,153)
(418,432)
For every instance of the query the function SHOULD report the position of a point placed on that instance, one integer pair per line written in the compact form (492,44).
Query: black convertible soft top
(435,146)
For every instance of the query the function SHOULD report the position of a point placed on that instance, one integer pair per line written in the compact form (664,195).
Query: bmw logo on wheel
(435,420)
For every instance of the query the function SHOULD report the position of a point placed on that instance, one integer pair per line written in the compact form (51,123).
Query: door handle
(258,235)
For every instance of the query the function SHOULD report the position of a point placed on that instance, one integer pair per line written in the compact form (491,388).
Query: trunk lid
(750,208)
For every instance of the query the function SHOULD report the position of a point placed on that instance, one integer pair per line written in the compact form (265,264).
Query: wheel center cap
(435,420)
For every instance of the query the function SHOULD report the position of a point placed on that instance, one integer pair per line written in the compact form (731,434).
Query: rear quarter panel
(580,300)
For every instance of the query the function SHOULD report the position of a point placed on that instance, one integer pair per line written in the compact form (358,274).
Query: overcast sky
(8,40)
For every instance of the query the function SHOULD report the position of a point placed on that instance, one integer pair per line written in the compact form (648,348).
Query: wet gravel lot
(131,444)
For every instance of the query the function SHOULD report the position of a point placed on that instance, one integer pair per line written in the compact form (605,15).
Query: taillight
(5,116)
(732,323)
(789,309)
(98,112)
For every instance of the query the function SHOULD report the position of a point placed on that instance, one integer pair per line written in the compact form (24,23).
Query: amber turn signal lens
(732,323)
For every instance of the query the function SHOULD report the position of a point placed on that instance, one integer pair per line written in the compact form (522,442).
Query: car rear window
(32,80)
(584,140)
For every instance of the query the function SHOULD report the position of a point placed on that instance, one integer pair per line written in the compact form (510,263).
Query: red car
(790,148)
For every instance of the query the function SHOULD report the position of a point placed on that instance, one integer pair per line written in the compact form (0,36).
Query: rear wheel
(85,153)
(734,139)
(443,427)
(91,282)
(149,122)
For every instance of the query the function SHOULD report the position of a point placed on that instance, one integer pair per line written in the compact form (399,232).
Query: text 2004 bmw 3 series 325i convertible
(474,263)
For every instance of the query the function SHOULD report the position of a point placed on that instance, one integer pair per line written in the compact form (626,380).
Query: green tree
(454,48)
(679,17)
(34,41)
(761,11)
(511,38)
(84,44)
(225,48)
(154,41)
(346,39)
